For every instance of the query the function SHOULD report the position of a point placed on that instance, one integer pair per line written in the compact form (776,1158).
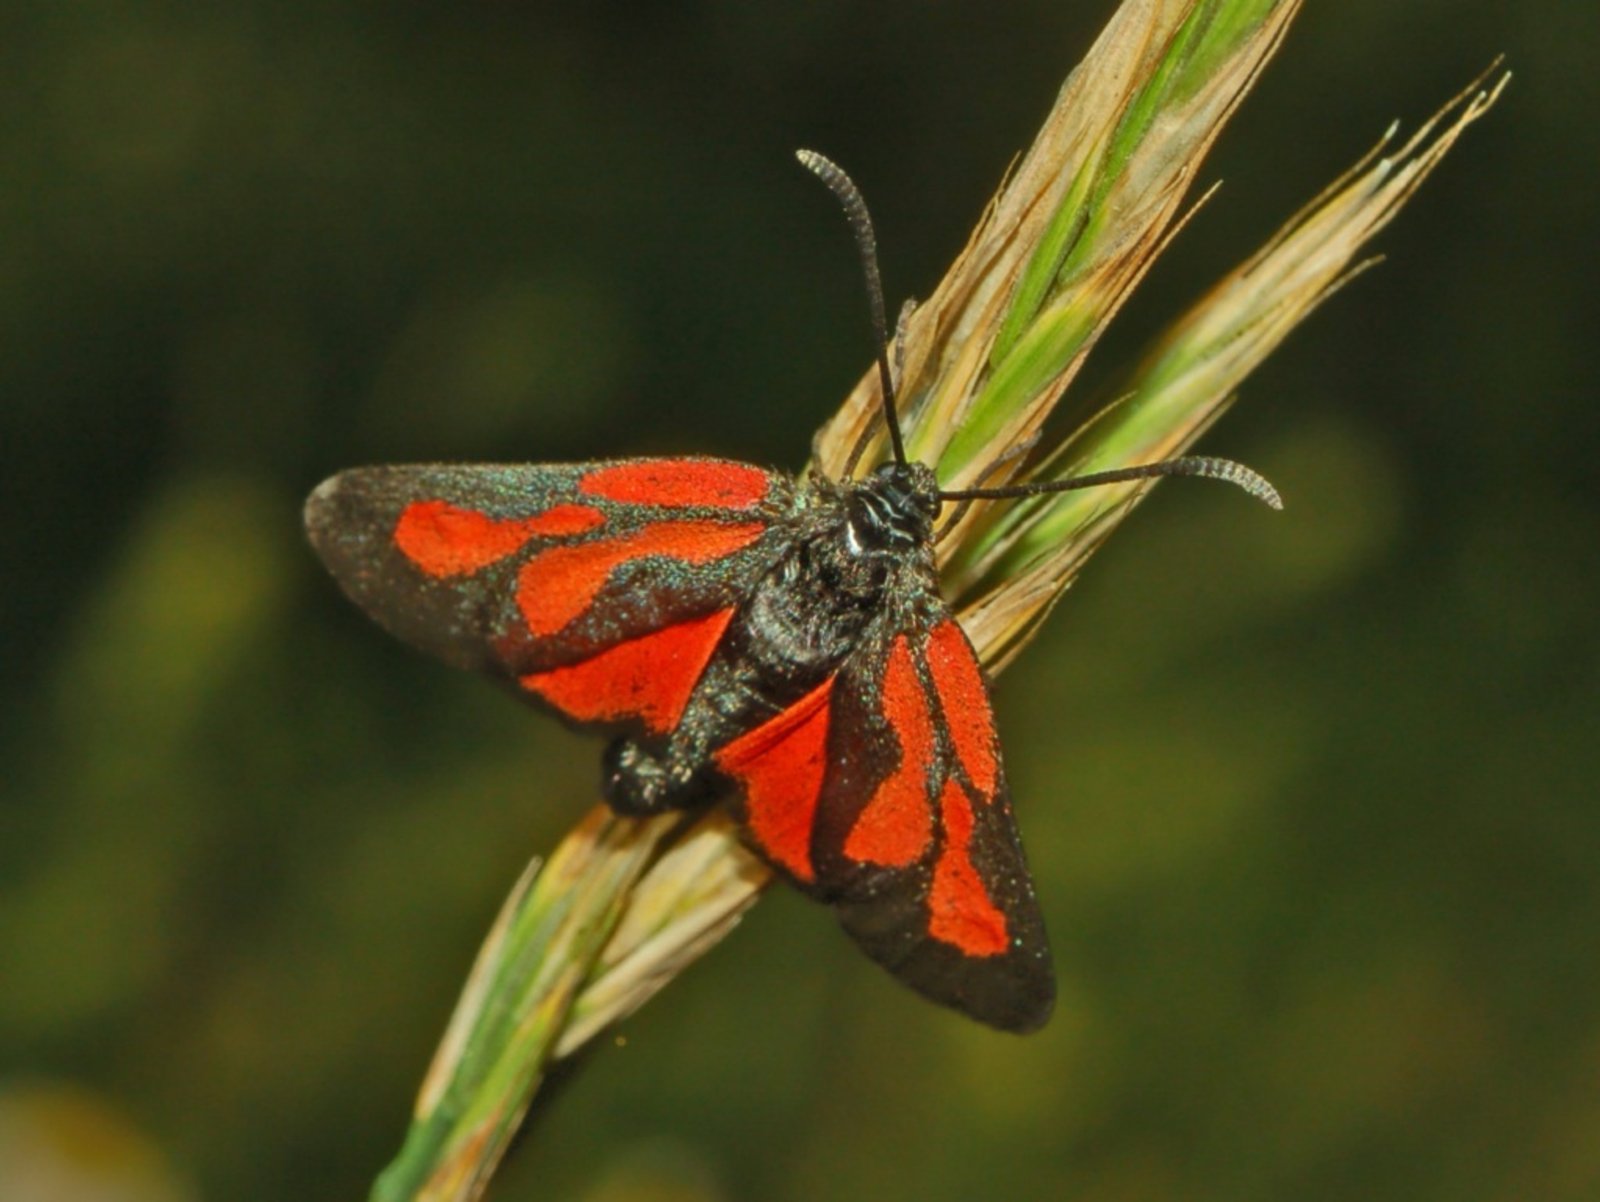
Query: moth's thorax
(862,551)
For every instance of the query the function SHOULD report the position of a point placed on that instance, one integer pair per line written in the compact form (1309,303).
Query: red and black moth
(748,639)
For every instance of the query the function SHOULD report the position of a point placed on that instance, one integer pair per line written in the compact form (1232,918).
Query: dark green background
(1310,798)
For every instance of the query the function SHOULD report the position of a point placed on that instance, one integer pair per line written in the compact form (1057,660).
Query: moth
(752,640)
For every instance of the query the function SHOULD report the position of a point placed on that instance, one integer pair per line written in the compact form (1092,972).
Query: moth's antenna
(1251,481)
(855,211)
(1010,455)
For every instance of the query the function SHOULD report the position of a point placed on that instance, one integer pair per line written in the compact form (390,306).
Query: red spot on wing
(558,584)
(445,540)
(649,678)
(897,824)
(675,482)
(964,698)
(780,765)
(960,910)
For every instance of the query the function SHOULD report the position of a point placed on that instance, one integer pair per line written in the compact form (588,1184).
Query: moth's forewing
(599,590)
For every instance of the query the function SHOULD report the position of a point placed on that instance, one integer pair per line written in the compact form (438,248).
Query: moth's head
(894,507)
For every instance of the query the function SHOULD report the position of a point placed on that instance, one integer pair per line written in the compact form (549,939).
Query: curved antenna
(1205,466)
(855,211)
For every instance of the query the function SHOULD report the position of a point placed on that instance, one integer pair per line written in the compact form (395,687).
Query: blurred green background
(1310,798)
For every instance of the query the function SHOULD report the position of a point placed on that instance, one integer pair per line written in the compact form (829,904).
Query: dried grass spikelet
(622,906)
